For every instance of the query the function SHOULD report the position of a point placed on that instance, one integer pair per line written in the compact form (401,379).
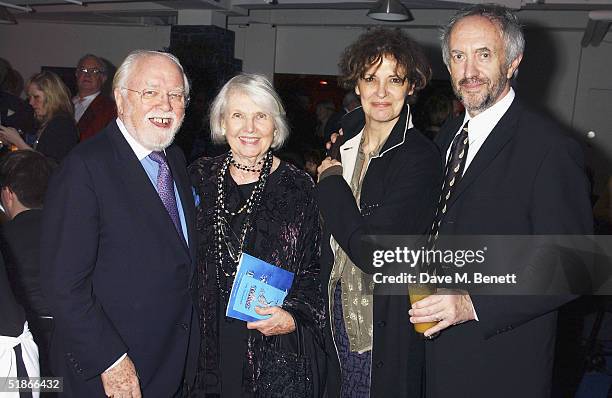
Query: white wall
(593,110)
(255,46)
(573,84)
(30,45)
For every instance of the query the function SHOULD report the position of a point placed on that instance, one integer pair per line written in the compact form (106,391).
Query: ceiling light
(16,7)
(390,10)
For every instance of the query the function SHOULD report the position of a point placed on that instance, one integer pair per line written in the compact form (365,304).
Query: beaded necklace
(222,226)
(252,169)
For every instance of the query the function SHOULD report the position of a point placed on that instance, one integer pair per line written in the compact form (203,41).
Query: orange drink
(419,292)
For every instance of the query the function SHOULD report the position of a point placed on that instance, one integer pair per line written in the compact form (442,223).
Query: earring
(275,131)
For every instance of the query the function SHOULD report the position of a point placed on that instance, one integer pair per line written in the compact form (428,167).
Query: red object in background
(316,87)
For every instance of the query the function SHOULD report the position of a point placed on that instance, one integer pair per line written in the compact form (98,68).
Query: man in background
(14,112)
(92,109)
(24,177)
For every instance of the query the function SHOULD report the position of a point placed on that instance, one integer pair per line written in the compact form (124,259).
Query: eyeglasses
(90,71)
(148,96)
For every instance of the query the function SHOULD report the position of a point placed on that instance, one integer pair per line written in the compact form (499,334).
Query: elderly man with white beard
(118,245)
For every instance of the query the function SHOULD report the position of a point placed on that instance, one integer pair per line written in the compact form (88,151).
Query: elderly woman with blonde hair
(252,202)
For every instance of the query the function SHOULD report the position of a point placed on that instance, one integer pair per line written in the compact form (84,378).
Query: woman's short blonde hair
(259,89)
(57,96)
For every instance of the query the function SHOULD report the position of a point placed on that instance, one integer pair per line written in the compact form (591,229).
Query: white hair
(259,89)
(124,70)
(503,18)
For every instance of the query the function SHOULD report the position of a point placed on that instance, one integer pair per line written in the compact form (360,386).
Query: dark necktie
(452,175)
(165,188)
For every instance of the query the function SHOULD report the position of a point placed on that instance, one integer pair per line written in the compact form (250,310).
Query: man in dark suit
(24,177)
(92,109)
(14,112)
(14,336)
(118,245)
(510,171)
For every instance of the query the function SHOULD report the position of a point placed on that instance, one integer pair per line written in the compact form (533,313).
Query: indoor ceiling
(146,12)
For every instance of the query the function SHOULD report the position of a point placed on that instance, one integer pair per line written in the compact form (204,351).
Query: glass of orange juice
(418,292)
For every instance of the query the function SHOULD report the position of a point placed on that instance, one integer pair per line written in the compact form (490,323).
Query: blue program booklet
(257,284)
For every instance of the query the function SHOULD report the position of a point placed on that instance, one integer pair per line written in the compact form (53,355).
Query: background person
(57,133)
(18,352)
(24,177)
(92,109)
(14,112)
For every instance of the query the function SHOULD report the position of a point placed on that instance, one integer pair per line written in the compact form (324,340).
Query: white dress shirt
(479,129)
(81,105)
(481,126)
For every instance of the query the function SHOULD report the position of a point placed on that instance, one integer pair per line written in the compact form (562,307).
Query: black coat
(20,240)
(11,313)
(21,114)
(527,179)
(117,275)
(58,138)
(398,196)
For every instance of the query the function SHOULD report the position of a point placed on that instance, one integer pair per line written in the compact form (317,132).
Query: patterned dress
(285,232)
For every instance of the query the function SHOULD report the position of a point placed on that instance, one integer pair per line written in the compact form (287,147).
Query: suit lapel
(139,188)
(497,139)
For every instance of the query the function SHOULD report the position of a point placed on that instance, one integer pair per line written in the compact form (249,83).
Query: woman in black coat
(387,183)
(57,133)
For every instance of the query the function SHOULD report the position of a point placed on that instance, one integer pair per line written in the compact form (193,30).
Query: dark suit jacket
(117,275)
(11,313)
(398,196)
(21,114)
(527,179)
(98,114)
(20,240)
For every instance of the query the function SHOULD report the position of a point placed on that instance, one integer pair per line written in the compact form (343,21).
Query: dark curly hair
(370,48)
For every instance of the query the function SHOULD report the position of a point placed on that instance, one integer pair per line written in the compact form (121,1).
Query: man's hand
(446,309)
(122,380)
(281,322)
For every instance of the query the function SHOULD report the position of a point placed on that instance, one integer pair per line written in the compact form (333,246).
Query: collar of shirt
(81,104)
(482,124)
(87,98)
(140,151)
